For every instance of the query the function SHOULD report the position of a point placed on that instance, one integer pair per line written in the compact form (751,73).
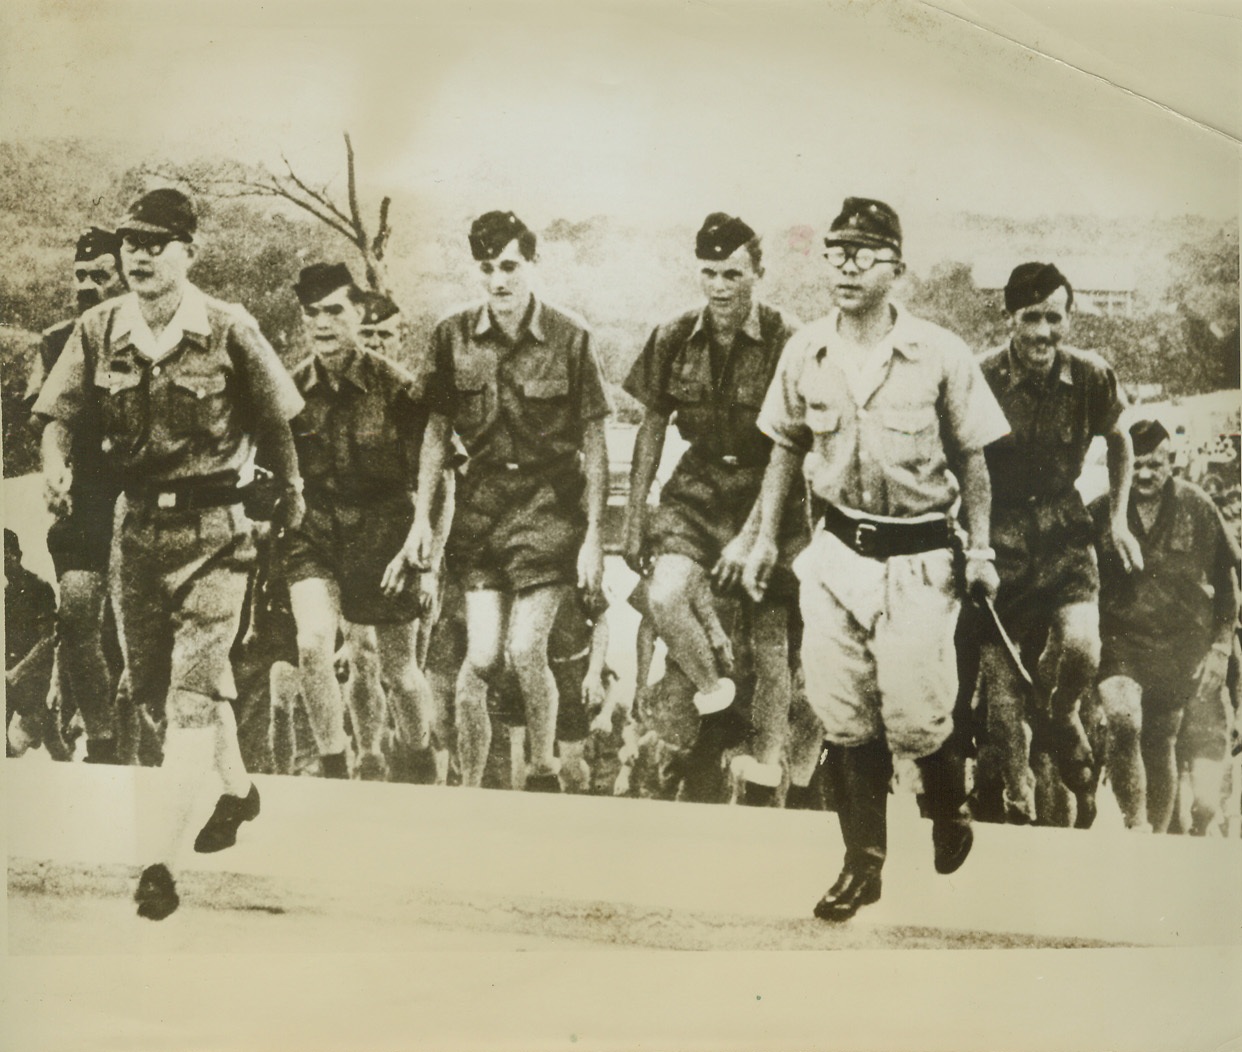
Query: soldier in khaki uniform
(358,439)
(708,369)
(180,390)
(81,535)
(888,416)
(518,382)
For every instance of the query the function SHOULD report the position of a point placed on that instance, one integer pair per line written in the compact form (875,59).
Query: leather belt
(191,496)
(883,540)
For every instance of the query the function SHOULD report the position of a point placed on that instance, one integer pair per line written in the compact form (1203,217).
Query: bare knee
(1122,701)
(668,592)
(1080,638)
(315,647)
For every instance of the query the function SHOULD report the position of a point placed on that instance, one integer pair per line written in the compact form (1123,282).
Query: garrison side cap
(492,231)
(1032,283)
(1147,436)
(720,236)
(96,241)
(320,280)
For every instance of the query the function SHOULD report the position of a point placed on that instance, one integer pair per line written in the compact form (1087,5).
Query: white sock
(187,763)
(229,763)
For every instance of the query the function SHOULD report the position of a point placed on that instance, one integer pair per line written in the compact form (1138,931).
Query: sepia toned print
(578,478)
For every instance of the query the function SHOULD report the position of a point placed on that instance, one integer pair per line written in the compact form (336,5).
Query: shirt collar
(1017,374)
(354,371)
(902,337)
(750,327)
(189,321)
(532,323)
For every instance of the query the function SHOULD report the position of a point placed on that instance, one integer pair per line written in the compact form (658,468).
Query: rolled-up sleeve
(592,398)
(63,395)
(783,415)
(268,383)
(971,417)
(648,377)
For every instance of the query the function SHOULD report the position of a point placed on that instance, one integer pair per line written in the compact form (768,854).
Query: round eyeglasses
(151,244)
(864,258)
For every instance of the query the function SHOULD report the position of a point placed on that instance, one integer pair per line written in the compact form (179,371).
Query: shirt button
(155,371)
(867,495)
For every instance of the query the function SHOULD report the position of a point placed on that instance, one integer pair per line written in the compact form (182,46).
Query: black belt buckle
(864,538)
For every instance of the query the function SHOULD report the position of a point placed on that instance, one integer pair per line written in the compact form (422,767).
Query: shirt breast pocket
(475,394)
(198,404)
(547,403)
(910,437)
(123,407)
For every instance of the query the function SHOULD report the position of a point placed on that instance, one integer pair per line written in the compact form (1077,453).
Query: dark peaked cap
(492,231)
(720,236)
(163,211)
(94,242)
(864,221)
(320,280)
(378,308)
(1032,283)
(1147,436)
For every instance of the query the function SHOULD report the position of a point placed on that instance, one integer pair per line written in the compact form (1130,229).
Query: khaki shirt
(180,407)
(523,402)
(716,414)
(878,439)
(1052,420)
(359,436)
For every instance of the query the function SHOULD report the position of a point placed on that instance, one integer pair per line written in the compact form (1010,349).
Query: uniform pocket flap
(686,391)
(201,386)
(117,381)
(556,387)
(470,377)
(908,421)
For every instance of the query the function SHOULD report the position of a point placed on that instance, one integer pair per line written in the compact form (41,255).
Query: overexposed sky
(653,111)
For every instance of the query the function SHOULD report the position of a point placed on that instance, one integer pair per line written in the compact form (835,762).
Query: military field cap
(320,280)
(164,211)
(1147,436)
(492,231)
(94,242)
(720,236)
(378,308)
(1032,283)
(864,221)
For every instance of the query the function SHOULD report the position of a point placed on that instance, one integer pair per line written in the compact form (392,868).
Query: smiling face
(1152,471)
(729,284)
(1039,328)
(859,292)
(332,323)
(154,265)
(95,280)
(507,280)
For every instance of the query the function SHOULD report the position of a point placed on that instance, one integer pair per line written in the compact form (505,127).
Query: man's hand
(1211,673)
(757,573)
(429,595)
(591,562)
(57,481)
(632,544)
(981,579)
(289,511)
(400,570)
(728,572)
(1126,545)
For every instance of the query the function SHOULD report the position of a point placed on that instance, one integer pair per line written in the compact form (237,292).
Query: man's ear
(900,269)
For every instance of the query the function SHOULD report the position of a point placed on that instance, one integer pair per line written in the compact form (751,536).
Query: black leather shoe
(853,890)
(157,893)
(952,839)
(221,828)
(543,783)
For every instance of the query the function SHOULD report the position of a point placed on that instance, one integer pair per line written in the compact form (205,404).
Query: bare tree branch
(320,196)
(383,232)
(353,193)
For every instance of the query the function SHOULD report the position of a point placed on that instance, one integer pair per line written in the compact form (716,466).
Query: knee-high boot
(944,797)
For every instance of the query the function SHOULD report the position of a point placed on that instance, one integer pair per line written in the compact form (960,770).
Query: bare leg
(529,625)
(316,611)
(1122,699)
(674,579)
(485,611)
(1005,697)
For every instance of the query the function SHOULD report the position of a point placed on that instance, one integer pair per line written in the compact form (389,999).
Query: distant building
(1102,285)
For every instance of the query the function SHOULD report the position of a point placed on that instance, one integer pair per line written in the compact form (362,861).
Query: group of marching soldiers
(871,548)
